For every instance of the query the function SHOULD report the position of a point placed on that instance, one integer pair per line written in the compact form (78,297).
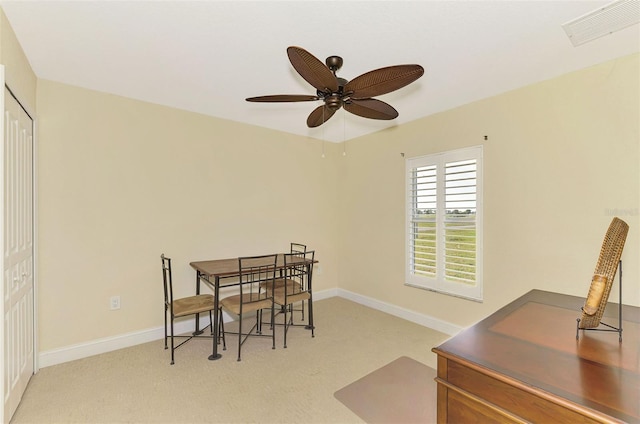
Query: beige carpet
(292,385)
(402,391)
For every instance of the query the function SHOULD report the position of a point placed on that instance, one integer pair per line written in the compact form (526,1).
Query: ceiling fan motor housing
(334,101)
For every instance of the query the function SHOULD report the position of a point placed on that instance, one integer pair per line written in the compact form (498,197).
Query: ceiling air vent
(603,21)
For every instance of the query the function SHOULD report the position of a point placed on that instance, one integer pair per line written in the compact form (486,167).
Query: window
(444,222)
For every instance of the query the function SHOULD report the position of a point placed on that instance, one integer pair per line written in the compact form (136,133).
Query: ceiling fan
(356,96)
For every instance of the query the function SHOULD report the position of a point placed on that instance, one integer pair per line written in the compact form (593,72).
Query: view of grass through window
(460,245)
(458,226)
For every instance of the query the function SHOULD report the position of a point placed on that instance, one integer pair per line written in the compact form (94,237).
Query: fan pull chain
(323,133)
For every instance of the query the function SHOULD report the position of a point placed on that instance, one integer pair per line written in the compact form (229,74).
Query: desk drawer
(495,393)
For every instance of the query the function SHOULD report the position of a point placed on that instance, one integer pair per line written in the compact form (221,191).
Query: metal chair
(603,277)
(254,270)
(295,287)
(297,249)
(185,306)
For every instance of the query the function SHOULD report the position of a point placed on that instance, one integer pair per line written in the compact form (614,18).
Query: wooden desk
(524,364)
(224,272)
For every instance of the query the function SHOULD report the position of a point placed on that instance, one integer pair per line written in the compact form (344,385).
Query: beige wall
(18,73)
(122,181)
(562,158)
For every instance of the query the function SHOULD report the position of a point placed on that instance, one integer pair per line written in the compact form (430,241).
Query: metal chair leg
(239,336)
(273,330)
(165,327)
(172,346)
(221,331)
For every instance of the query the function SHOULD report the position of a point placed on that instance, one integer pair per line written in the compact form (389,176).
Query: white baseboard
(108,344)
(418,318)
(95,347)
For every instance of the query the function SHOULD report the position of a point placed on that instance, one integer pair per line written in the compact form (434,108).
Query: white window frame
(438,282)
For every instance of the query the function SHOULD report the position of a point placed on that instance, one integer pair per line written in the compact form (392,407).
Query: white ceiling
(208,56)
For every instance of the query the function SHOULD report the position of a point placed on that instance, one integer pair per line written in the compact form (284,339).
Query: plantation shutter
(423,220)
(444,222)
(460,221)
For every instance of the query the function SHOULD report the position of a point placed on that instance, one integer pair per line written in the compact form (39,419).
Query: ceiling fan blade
(283,98)
(371,108)
(383,80)
(319,116)
(312,70)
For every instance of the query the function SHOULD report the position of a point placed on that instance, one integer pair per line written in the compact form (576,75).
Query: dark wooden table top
(225,268)
(533,342)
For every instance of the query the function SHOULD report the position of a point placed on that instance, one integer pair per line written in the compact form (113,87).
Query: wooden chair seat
(250,302)
(193,305)
(292,286)
(281,299)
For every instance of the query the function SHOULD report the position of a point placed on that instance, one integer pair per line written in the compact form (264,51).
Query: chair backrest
(297,268)
(298,248)
(167,280)
(607,265)
(253,271)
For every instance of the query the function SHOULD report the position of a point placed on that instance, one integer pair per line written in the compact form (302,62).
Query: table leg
(197,330)
(216,324)
(310,301)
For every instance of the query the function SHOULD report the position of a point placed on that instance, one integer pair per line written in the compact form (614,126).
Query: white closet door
(18,287)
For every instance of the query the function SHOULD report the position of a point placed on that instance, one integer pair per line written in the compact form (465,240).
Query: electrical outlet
(115,303)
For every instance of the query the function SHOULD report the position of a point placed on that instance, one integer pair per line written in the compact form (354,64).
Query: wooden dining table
(225,272)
